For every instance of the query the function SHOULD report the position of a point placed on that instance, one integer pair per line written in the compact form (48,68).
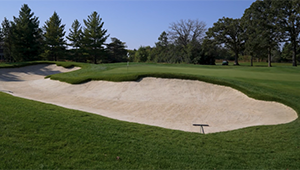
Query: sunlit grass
(34,135)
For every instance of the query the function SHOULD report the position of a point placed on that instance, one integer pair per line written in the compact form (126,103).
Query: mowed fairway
(42,136)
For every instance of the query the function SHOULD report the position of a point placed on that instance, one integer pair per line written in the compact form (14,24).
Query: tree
(261,19)
(116,51)
(131,55)
(162,40)
(26,36)
(209,52)
(7,39)
(288,22)
(252,45)
(94,36)
(287,52)
(142,54)
(228,31)
(1,43)
(161,51)
(183,32)
(75,37)
(1,35)
(54,37)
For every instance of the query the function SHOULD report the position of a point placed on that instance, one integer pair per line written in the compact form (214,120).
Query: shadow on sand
(8,74)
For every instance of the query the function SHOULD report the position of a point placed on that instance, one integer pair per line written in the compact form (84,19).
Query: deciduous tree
(230,32)
(288,22)
(142,54)
(185,31)
(261,20)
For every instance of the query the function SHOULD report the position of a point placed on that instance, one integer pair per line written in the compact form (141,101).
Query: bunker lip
(168,103)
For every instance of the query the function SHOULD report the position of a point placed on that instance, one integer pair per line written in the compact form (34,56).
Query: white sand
(168,103)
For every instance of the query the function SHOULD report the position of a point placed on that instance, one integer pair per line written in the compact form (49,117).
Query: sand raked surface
(169,103)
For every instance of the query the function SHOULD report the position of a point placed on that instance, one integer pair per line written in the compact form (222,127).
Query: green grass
(34,135)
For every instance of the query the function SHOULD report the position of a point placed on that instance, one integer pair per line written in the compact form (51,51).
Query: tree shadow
(11,74)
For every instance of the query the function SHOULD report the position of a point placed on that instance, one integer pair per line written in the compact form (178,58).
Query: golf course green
(35,135)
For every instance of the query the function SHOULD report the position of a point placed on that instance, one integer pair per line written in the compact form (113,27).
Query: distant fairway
(35,135)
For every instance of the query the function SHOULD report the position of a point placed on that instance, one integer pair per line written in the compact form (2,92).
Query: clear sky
(136,22)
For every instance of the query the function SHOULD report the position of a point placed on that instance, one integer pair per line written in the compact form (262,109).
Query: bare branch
(185,31)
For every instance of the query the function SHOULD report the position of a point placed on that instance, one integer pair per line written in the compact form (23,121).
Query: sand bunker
(168,103)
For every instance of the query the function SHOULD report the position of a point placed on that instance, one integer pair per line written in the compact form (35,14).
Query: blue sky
(136,22)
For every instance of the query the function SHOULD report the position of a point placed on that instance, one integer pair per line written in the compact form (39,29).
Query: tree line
(23,40)
(182,43)
(263,28)
(268,30)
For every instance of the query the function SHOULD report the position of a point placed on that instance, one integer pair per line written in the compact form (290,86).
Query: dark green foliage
(230,32)
(172,52)
(54,38)
(260,19)
(1,45)
(161,52)
(7,40)
(1,35)
(94,37)
(116,51)
(26,36)
(288,23)
(131,54)
(288,52)
(76,37)
(142,54)
(184,47)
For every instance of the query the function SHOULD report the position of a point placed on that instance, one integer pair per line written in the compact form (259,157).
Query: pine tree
(94,36)
(26,36)
(116,51)
(75,36)
(7,39)
(1,35)
(54,37)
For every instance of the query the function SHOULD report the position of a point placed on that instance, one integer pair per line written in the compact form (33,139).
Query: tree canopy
(230,32)
(54,37)
(116,51)
(288,23)
(94,36)
(26,36)
(184,31)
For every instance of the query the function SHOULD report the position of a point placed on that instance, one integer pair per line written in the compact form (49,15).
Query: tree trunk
(95,59)
(251,60)
(269,57)
(95,55)
(236,59)
(294,54)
